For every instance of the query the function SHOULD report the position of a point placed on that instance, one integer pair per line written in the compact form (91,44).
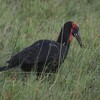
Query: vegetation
(22,22)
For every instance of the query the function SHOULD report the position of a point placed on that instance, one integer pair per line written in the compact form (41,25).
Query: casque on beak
(77,36)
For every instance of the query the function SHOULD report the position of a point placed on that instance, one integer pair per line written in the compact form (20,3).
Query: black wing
(41,51)
(23,55)
(45,52)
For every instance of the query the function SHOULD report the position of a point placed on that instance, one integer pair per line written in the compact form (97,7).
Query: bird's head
(75,32)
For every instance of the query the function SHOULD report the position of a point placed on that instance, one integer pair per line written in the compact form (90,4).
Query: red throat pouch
(70,37)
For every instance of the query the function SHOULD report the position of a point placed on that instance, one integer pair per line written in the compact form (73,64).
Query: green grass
(22,22)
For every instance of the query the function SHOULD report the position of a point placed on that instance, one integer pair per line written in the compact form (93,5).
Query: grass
(22,22)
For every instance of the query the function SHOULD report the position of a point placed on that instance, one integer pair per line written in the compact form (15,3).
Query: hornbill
(46,55)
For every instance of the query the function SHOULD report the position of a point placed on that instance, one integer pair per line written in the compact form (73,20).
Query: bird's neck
(63,37)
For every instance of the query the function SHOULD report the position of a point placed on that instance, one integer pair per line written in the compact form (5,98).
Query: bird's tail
(5,68)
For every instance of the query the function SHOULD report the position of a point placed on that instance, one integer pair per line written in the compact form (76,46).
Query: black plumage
(46,55)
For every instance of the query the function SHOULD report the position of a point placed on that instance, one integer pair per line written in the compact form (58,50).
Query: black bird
(45,55)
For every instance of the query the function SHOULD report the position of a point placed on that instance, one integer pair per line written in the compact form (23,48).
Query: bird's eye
(75,34)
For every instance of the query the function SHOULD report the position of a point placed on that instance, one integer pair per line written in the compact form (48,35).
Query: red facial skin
(74,26)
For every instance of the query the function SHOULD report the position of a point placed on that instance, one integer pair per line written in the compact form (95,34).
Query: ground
(22,22)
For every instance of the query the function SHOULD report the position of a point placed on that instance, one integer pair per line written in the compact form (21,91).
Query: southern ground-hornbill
(45,55)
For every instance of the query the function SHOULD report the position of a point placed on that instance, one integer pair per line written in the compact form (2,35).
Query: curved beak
(77,36)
